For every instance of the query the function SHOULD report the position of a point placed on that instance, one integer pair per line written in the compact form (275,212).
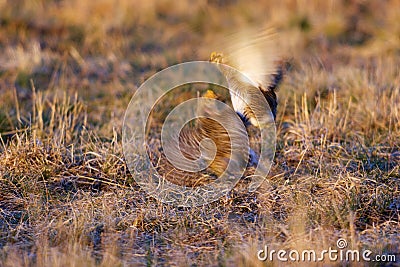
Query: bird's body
(190,144)
(211,138)
(218,124)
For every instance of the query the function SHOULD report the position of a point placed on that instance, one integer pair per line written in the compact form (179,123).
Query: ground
(68,70)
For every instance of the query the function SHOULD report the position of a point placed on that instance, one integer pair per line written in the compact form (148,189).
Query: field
(68,70)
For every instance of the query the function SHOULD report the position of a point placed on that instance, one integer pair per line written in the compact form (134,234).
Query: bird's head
(216,57)
(210,94)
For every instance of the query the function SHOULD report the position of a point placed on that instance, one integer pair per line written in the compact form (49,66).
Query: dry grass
(68,70)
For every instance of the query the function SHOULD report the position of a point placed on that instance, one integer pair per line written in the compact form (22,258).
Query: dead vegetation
(68,70)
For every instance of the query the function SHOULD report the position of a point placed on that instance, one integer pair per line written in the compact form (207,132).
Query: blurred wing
(246,100)
(252,52)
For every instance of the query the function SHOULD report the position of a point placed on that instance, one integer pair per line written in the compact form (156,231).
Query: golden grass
(68,70)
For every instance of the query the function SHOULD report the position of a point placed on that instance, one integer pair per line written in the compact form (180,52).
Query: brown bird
(208,143)
(215,140)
